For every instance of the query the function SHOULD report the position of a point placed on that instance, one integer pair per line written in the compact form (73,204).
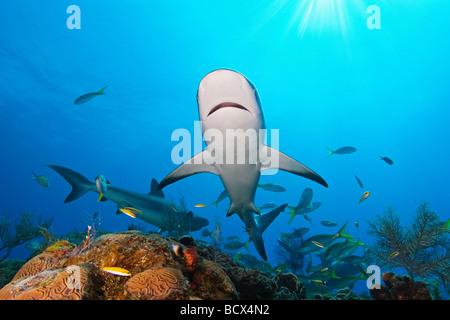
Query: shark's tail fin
(262,222)
(80,185)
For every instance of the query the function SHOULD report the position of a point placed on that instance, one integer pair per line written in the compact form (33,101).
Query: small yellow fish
(393,254)
(177,249)
(134,210)
(117,271)
(324,269)
(318,244)
(200,205)
(129,211)
(364,196)
(319,282)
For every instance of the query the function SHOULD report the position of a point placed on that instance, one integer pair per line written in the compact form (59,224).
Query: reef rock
(157,272)
(400,288)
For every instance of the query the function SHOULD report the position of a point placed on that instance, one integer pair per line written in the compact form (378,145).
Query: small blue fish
(359,181)
(88,96)
(328,223)
(271,187)
(387,160)
(343,150)
(223,195)
(33,246)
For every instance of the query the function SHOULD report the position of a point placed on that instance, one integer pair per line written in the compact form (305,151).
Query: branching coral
(422,248)
(24,230)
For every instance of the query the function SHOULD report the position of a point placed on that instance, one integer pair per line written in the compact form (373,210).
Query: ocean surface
(326,79)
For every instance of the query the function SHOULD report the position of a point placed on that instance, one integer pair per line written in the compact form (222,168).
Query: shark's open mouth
(227,105)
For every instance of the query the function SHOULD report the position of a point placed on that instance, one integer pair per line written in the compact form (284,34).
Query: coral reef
(8,269)
(422,248)
(63,271)
(400,288)
(157,284)
(68,283)
(24,230)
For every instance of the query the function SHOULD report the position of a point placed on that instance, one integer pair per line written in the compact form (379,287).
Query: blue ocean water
(325,80)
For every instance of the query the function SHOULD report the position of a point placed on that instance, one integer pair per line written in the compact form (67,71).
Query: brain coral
(157,284)
(61,284)
(42,262)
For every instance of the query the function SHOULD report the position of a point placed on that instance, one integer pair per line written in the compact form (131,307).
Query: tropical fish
(349,249)
(447,225)
(33,246)
(364,196)
(156,209)
(269,205)
(206,233)
(337,282)
(356,224)
(177,249)
(343,150)
(102,185)
(129,211)
(236,245)
(305,199)
(332,251)
(318,244)
(297,233)
(352,259)
(232,238)
(304,205)
(117,271)
(248,259)
(319,282)
(222,196)
(200,205)
(228,100)
(88,96)
(271,187)
(42,180)
(393,254)
(328,223)
(307,218)
(387,160)
(359,181)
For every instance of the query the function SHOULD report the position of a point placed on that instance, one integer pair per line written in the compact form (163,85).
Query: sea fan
(24,230)
(422,249)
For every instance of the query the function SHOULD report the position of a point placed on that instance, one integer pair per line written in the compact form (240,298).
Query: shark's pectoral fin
(278,160)
(192,166)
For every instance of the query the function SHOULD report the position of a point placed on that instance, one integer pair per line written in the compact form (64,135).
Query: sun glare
(316,16)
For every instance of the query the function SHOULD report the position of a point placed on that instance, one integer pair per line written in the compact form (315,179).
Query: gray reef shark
(154,208)
(229,103)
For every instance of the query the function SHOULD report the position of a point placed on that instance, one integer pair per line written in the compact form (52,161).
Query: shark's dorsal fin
(154,191)
(291,165)
(194,165)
